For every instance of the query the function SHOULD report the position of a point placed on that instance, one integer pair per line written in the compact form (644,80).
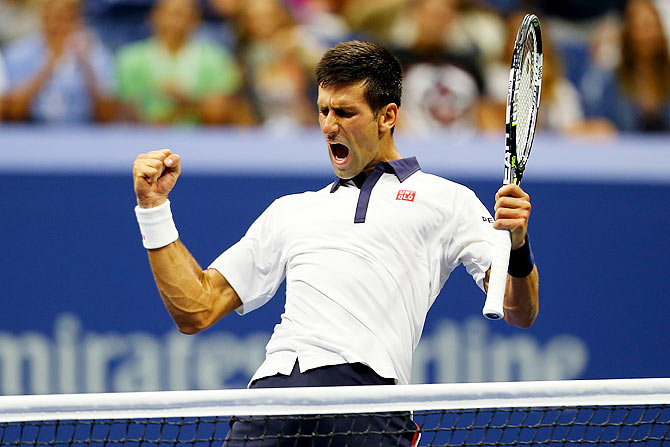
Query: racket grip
(493,307)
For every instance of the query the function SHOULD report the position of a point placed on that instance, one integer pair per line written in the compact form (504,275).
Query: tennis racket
(523,101)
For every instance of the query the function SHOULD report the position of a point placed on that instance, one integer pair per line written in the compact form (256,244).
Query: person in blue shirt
(635,95)
(61,74)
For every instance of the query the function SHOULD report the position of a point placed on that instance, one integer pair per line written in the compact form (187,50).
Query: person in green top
(172,78)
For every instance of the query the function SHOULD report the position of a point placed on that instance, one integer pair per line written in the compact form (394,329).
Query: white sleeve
(254,266)
(472,238)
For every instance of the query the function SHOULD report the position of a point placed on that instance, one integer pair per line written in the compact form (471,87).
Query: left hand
(512,210)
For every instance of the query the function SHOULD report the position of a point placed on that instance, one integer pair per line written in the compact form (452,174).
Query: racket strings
(527,101)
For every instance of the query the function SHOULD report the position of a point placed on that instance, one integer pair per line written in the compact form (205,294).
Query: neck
(172,43)
(56,43)
(388,153)
(392,153)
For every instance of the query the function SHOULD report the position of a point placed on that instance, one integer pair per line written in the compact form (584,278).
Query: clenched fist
(512,210)
(154,175)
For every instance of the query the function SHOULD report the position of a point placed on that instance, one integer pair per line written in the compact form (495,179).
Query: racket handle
(493,307)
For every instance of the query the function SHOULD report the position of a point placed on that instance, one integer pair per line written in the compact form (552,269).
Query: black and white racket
(523,101)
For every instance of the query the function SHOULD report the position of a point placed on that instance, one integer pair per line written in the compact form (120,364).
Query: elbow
(188,329)
(193,324)
(525,324)
(522,324)
(523,321)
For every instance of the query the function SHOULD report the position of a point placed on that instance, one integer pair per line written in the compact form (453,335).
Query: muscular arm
(195,299)
(521,304)
(104,106)
(17,102)
(512,210)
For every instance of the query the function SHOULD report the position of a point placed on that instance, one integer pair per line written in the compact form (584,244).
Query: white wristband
(156,225)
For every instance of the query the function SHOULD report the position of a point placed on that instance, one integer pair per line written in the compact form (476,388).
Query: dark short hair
(351,62)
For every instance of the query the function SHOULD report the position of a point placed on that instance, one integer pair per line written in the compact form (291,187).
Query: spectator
(560,103)
(376,19)
(433,22)
(442,81)
(485,28)
(222,24)
(173,78)
(18,18)
(277,65)
(62,74)
(323,21)
(636,94)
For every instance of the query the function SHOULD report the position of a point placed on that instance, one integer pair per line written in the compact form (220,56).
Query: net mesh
(636,424)
(595,425)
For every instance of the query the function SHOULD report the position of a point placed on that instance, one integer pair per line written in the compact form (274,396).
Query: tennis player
(364,258)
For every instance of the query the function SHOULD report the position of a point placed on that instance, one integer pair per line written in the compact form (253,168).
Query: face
(263,18)
(175,18)
(60,18)
(434,17)
(350,128)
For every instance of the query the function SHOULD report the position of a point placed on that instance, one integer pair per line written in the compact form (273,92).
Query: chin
(341,174)
(344,174)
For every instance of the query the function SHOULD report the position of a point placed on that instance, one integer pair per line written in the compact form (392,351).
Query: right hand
(154,175)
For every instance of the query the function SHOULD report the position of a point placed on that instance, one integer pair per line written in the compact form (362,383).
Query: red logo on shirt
(406,194)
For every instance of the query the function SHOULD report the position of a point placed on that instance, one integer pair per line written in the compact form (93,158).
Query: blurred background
(86,85)
(251,63)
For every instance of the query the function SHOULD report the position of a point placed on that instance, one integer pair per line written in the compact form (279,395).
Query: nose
(329,125)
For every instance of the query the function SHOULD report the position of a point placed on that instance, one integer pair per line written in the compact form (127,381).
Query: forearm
(195,299)
(17,102)
(104,106)
(521,303)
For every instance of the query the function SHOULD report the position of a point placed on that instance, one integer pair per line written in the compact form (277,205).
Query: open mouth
(340,152)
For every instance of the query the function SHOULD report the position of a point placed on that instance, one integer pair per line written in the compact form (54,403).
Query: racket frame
(515,161)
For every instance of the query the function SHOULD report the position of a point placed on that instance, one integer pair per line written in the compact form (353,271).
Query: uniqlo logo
(406,194)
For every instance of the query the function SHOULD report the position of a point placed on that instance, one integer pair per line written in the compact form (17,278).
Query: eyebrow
(337,109)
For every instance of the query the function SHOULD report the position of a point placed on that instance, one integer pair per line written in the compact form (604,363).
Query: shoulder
(207,50)
(23,57)
(442,194)
(136,51)
(207,45)
(437,183)
(25,47)
(299,199)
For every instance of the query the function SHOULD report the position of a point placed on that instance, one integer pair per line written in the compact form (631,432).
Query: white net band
(331,400)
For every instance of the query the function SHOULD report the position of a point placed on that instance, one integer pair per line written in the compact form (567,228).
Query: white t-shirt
(358,292)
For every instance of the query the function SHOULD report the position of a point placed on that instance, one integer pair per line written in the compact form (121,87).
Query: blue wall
(80,311)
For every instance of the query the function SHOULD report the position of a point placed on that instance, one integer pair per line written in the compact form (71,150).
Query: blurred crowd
(250,62)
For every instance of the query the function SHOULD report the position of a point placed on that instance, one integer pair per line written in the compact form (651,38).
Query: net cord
(331,400)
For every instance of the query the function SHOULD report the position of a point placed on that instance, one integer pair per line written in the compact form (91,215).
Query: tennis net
(631,412)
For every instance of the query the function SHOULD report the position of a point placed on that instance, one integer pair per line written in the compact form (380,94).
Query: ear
(387,117)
